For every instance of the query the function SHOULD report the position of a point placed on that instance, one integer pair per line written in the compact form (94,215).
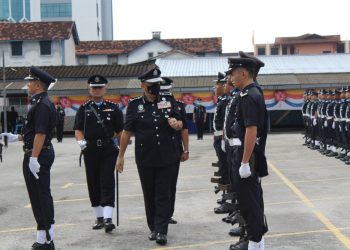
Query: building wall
(97,59)
(35,10)
(122,59)
(31,55)
(315,48)
(69,50)
(107,19)
(141,53)
(212,54)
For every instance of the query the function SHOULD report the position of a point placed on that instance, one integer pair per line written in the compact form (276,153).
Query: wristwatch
(186,152)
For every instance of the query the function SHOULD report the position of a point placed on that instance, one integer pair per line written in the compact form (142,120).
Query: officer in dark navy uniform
(182,139)
(250,131)
(98,123)
(39,154)
(199,118)
(59,122)
(154,120)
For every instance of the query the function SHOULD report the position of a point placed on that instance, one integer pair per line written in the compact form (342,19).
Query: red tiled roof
(189,45)
(307,38)
(38,31)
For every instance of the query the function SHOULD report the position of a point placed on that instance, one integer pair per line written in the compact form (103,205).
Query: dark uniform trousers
(100,163)
(223,166)
(59,131)
(232,166)
(40,202)
(200,127)
(157,194)
(173,185)
(250,197)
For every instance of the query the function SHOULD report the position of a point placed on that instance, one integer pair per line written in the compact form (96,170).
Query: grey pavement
(307,201)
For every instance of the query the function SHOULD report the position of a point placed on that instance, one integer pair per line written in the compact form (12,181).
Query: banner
(275,100)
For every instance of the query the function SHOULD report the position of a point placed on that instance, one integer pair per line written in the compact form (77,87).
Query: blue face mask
(98,104)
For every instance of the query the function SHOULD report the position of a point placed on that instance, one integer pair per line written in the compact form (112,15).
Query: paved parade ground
(307,201)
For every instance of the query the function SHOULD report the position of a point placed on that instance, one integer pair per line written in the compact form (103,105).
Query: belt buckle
(99,143)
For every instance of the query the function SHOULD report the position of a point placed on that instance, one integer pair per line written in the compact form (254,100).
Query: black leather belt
(99,142)
(27,150)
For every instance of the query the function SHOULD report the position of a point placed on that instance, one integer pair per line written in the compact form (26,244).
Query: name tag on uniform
(107,110)
(163,105)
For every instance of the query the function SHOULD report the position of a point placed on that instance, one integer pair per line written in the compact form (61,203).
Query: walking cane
(117,196)
(41,205)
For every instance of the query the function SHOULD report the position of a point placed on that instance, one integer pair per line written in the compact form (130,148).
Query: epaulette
(111,102)
(87,102)
(180,101)
(135,98)
(243,93)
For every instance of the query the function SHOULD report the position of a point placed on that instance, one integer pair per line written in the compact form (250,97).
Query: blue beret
(38,74)
(97,81)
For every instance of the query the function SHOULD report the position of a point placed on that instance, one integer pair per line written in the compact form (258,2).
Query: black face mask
(153,89)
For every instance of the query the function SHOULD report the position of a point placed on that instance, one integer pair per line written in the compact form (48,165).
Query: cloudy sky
(235,21)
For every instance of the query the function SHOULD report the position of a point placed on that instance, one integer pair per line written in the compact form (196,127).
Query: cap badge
(155,73)
(97,79)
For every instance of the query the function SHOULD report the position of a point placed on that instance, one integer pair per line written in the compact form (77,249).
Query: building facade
(303,45)
(93,18)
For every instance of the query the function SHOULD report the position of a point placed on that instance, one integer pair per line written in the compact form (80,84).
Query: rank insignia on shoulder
(243,93)
(136,98)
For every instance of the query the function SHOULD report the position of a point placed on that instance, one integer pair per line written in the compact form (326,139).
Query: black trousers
(232,166)
(200,127)
(156,185)
(100,166)
(59,131)
(223,165)
(250,197)
(173,189)
(39,190)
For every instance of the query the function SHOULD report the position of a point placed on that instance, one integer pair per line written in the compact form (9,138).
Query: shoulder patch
(135,98)
(87,102)
(243,94)
(180,101)
(108,101)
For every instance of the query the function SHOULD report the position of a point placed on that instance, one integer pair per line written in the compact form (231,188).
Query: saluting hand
(173,123)
(120,164)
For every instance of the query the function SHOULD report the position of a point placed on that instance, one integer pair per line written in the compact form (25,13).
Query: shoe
(331,154)
(152,235)
(220,201)
(99,224)
(161,239)
(217,173)
(235,231)
(172,221)
(109,226)
(215,164)
(224,208)
(46,246)
(240,245)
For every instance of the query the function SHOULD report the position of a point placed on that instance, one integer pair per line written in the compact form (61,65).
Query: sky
(234,21)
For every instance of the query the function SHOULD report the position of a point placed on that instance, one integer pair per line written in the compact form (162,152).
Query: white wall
(69,50)
(141,53)
(97,59)
(35,13)
(177,55)
(85,15)
(122,59)
(31,55)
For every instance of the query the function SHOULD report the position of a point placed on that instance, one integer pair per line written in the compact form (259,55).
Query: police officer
(250,130)
(39,154)
(98,123)
(199,118)
(182,140)
(154,120)
(59,122)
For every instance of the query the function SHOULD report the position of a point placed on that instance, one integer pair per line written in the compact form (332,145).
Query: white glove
(34,166)
(244,170)
(10,137)
(333,125)
(223,145)
(314,122)
(325,124)
(82,144)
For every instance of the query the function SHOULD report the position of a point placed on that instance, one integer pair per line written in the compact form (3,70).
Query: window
(49,10)
(83,60)
(261,51)
(274,51)
(45,48)
(113,59)
(292,50)
(326,52)
(284,50)
(150,54)
(17,48)
(340,48)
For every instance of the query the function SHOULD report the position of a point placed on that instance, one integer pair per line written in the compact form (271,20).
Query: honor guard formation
(158,123)
(326,115)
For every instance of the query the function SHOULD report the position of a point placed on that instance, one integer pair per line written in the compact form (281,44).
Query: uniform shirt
(41,118)
(156,144)
(219,115)
(60,115)
(251,109)
(86,121)
(199,112)
(230,114)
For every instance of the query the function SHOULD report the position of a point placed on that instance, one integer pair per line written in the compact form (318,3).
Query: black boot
(161,239)
(172,221)
(242,244)
(99,223)
(109,226)
(237,231)
(46,246)
(152,235)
